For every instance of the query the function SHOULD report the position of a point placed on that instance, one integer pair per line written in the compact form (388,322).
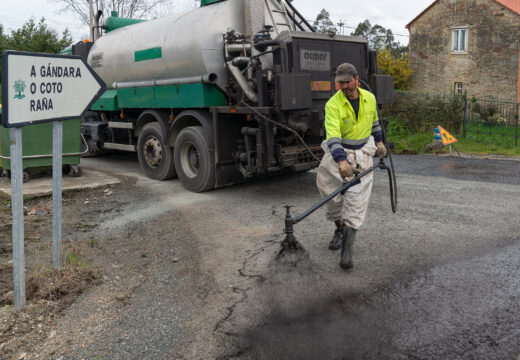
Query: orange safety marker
(446,137)
(320,85)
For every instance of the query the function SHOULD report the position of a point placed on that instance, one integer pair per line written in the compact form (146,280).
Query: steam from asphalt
(467,310)
(307,319)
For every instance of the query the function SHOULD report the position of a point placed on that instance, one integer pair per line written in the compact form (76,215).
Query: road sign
(46,87)
(40,88)
(446,137)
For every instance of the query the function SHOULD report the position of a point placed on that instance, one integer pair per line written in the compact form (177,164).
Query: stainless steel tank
(191,45)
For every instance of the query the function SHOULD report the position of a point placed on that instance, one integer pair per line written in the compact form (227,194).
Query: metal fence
(491,122)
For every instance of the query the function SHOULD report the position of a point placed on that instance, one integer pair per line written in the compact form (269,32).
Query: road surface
(438,279)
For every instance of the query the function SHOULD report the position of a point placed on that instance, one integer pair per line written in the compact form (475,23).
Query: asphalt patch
(307,319)
(465,310)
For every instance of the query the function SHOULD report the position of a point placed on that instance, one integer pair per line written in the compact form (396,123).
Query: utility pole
(91,13)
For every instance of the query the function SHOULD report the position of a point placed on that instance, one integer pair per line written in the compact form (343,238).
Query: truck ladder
(298,19)
(278,15)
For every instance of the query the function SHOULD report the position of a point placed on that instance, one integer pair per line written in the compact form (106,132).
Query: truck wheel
(195,165)
(155,156)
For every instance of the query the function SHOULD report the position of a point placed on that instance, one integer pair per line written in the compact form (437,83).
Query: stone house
(467,46)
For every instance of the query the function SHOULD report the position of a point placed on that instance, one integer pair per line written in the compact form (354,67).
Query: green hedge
(415,112)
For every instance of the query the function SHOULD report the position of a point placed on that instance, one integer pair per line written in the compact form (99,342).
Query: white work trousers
(350,208)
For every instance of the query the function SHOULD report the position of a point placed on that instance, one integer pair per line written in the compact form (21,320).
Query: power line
(355,27)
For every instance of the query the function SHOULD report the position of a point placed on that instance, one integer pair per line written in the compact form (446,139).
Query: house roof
(513,5)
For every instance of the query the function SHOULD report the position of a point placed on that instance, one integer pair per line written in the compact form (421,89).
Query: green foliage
(411,143)
(380,38)
(423,112)
(413,117)
(3,38)
(34,37)
(72,259)
(39,38)
(489,114)
(76,261)
(416,144)
(397,128)
(323,23)
(399,67)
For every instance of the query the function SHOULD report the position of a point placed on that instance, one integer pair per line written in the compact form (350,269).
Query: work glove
(345,169)
(381,149)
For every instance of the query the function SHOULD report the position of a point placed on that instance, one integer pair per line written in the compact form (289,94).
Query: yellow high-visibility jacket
(342,127)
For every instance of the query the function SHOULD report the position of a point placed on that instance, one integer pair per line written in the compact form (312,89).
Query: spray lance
(290,244)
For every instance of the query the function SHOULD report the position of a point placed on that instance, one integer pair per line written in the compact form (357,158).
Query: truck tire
(195,165)
(154,154)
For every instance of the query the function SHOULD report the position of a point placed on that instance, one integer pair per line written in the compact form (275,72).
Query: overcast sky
(392,14)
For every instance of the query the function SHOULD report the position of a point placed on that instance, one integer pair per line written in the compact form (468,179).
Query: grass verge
(416,144)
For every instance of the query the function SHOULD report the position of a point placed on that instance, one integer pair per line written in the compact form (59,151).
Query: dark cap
(345,72)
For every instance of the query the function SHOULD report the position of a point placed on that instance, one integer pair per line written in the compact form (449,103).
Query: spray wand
(290,244)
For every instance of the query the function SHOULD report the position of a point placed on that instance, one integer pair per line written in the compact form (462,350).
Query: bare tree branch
(139,9)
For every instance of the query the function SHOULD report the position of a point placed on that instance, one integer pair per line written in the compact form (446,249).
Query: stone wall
(491,65)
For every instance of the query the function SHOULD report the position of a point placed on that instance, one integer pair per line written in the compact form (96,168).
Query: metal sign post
(40,88)
(57,142)
(17,215)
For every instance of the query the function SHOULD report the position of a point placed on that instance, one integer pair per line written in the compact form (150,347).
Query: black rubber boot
(349,235)
(335,243)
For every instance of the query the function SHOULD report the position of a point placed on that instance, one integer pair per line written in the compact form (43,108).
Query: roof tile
(513,5)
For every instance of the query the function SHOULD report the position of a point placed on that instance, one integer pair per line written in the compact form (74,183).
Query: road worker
(354,136)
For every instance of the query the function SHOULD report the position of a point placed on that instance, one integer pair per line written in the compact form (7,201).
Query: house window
(459,41)
(458,88)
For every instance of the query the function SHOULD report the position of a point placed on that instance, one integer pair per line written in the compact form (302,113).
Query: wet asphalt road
(497,171)
(437,280)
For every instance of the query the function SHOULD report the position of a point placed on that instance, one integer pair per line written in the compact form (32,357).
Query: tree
(19,87)
(38,38)
(3,46)
(399,68)
(137,9)
(380,38)
(3,38)
(323,23)
(35,38)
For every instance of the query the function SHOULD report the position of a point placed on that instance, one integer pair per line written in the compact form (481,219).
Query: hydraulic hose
(277,123)
(390,170)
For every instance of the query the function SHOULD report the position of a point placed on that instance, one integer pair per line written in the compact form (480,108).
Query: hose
(390,170)
(284,127)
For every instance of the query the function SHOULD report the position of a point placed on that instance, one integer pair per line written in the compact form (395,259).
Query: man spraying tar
(353,137)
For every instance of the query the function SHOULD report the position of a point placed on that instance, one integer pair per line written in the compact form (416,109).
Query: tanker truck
(231,90)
